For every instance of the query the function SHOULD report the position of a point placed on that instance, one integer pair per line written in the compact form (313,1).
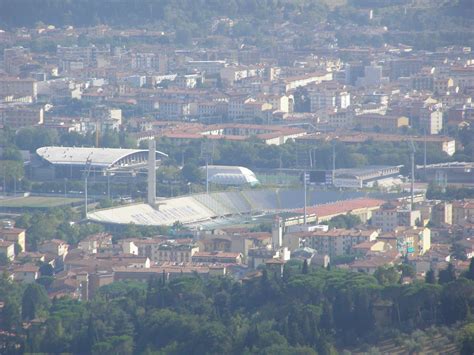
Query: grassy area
(37,202)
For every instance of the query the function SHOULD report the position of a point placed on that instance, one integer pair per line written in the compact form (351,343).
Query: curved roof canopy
(99,157)
(231,175)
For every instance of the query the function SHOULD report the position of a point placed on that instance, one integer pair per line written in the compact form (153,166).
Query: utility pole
(305,198)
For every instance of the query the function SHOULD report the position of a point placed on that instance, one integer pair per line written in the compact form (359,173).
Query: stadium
(201,210)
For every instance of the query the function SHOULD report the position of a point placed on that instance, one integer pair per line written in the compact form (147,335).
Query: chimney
(151,172)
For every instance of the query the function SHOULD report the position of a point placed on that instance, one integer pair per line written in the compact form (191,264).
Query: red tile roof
(342,207)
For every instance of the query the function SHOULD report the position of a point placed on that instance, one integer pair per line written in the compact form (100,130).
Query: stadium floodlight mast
(86,176)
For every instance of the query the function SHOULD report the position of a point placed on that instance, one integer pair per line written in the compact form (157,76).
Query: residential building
(328,95)
(175,109)
(442,84)
(442,213)
(334,242)
(371,264)
(16,117)
(217,257)
(170,271)
(14,235)
(176,252)
(7,248)
(14,58)
(381,123)
(26,273)
(443,143)
(161,250)
(463,212)
(236,106)
(209,67)
(15,88)
(389,217)
(431,119)
(54,246)
(412,241)
(96,243)
(373,77)
(291,83)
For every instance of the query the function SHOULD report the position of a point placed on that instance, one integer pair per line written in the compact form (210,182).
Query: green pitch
(36,202)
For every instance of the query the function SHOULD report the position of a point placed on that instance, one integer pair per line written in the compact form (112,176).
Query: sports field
(36,202)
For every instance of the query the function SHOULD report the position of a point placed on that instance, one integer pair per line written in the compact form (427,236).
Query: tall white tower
(151,172)
(277,233)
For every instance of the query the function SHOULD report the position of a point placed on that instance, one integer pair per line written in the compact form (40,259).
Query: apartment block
(334,242)
(389,217)
(16,117)
(14,87)
(382,123)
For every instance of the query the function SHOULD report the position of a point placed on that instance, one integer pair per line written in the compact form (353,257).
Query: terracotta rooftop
(342,207)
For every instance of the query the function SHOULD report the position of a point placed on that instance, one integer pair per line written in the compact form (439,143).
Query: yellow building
(14,235)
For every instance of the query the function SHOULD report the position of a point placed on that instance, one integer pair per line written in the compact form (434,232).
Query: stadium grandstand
(71,162)
(200,209)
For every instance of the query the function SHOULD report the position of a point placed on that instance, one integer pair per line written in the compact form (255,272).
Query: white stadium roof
(99,157)
(231,175)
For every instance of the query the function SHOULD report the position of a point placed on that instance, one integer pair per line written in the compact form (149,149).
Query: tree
(184,36)
(46,269)
(387,275)
(11,170)
(11,314)
(35,301)
(467,339)
(470,271)
(430,277)
(302,101)
(447,275)
(4,260)
(120,345)
(191,173)
(31,138)
(407,270)
(11,153)
(304,270)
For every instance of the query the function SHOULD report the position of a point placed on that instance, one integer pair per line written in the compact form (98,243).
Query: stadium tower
(151,172)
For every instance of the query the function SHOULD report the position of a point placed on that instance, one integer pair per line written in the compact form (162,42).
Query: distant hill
(17,13)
